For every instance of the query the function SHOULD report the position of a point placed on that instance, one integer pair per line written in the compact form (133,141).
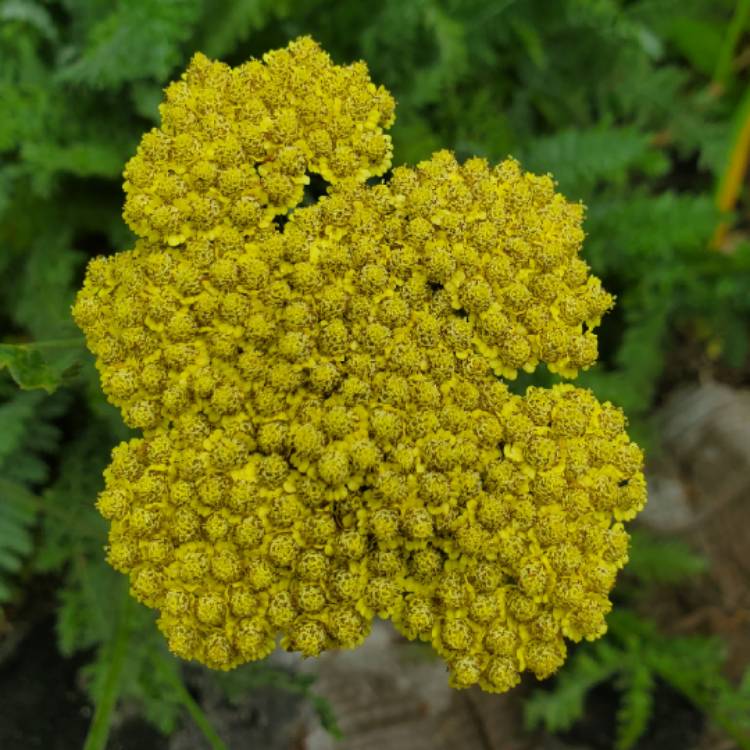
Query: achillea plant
(325,435)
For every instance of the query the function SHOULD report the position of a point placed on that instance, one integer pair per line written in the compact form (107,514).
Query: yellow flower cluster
(236,144)
(325,437)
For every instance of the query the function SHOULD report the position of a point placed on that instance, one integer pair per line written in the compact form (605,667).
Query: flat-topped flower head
(326,437)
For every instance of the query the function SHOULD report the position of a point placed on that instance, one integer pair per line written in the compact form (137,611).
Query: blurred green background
(641,109)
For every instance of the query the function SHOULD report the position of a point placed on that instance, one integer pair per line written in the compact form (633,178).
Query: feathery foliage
(635,656)
(28,436)
(635,107)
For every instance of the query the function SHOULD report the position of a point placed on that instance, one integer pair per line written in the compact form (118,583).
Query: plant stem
(101,723)
(734,31)
(197,715)
(733,175)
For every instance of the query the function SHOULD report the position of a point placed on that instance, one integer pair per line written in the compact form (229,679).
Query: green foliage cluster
(633,105)
(635,657)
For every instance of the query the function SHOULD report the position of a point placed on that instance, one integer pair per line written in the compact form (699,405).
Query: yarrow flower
(326,437)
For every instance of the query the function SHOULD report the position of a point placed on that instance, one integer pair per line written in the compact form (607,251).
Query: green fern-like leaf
(655,560)
(229,22)
(691,665)
(579,159)
(15,415)
(86,613)
(635,236)
(31,14)
(631,380)
(73,534)
(558,708)
(634,654)
(45,290)
(636,685)
(151,678)
(81,159)
(136,39)
(426,27)
(694,666)
(24,438)
(18,514)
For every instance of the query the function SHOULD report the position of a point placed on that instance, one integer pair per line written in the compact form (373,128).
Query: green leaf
(435,33)
(15,416)
(86,604)
(31,370)
(558,708)
(636,235)
(147,97)
(29,13)
(414,140)
(151,675)
(81,159)
(694,666)
(578,159)
(226,23)
(531,41)
(699,40)
(632,379)
(137,39)
(636,683)
(662,561)
(43,290)
(18,515)
(73,533)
